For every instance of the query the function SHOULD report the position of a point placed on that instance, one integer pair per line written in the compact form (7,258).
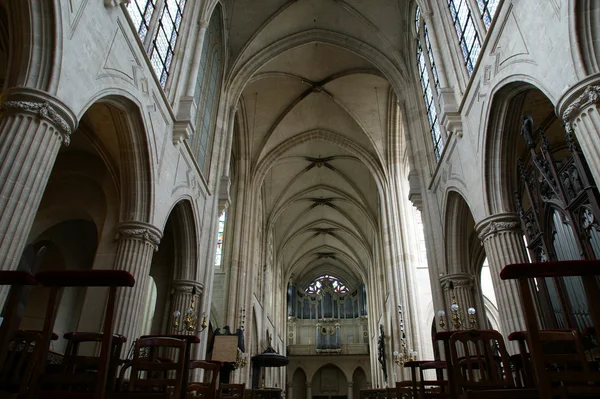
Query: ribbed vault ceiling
(321,196)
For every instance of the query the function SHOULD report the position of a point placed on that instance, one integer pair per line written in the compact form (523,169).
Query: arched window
(207,90)
(159,20)
(427,74)
(219,256)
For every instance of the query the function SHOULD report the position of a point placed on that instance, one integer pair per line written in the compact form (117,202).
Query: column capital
(499,223)
(457,280)
(590,95)
(139,231)
(187,287)
(43,105)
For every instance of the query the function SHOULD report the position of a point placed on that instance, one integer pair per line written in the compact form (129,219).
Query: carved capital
(454,280)
(139,231)
(496,224)
(44,106)
(187,287)
(591,95)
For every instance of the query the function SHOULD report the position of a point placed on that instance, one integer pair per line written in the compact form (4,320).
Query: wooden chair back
(151,375)
(564,357)
(480,367)
(15,373)
(430,389)
(80,371)
(231,391)
(206,389)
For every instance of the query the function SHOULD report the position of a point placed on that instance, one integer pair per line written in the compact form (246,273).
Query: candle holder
(189,321)
(456,318)
(405,354)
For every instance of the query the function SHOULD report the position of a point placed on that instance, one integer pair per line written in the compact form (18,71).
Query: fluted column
(33,127)
(582,118)
(459,285)
(502,238)
(137,243)
(182,292)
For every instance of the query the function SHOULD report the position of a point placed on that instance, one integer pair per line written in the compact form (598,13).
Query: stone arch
(134,158)
(584,35)
(458,234)
(183,225)
(502,128)
(297,381)
(35,44)
(311,377)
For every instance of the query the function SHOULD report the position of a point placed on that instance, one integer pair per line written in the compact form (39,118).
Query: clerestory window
(157,23)
(428,76)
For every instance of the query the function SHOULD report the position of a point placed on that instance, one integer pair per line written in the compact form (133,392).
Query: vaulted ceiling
(317,110)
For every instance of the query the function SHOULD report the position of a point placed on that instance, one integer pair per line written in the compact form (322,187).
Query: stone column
(33,127)
(181,299)
(289,391)
(582,118)
(350,390)
(308,390)
(137,242)
(502,238)
(458,286)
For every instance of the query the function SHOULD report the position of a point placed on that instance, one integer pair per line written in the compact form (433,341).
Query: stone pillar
(308,390)
(350,390)
(137,242)
(459,285)
(33,127)
(582,118)
(181,299)
(502,238)
(289,391)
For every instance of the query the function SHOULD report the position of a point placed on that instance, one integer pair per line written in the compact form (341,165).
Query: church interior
(299,199)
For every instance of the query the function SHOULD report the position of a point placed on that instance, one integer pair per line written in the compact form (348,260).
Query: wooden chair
(404,390)
(566,365)
(56,281)
(374,393)
(15,373)
(478,372)
(231,391)
(433,389)
(79,372)
(208,388)
(13,311)
(151,377)
(588,270)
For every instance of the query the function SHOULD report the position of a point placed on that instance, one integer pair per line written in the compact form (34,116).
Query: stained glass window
(320,283)
(487,8)
(140,12)
(428,97)
(218,258)
(207,90)
(163,45)
(468,38)
(165,31)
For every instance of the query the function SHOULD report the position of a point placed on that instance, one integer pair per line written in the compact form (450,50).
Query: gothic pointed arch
(35,43)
